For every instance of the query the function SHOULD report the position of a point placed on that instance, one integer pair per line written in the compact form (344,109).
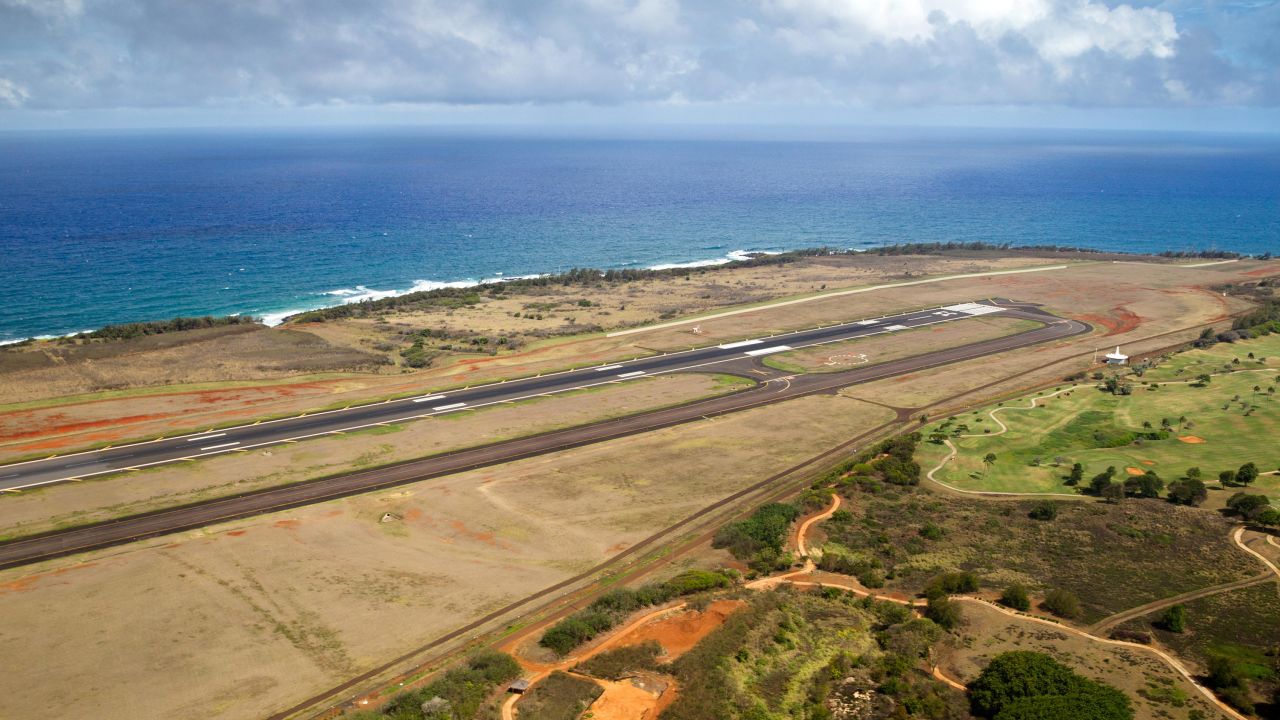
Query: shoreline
(361,293)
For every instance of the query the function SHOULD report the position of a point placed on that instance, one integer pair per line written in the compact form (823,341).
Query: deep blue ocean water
(105,228)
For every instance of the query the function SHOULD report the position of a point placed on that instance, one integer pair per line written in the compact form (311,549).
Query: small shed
(519,686)
(1117,357)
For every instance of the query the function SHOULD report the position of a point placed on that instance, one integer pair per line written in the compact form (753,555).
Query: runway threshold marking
(206,437)
(453,406)
(223,445)
(425,398)
(768,350)
(744,343)
(634,373)
(608,367)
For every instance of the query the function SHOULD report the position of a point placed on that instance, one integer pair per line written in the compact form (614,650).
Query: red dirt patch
(288,524)
(1262,272)
(679,633)
(1191,439)
(237,533)
(484,537)
(25,584)
(623,700)
(1148,462)
(1121,320)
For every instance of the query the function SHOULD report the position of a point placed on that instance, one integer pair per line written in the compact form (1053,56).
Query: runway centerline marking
(223,445)
(744,343)
(206,437)
(608,367)
(428,397)
(633,373)
(454,406)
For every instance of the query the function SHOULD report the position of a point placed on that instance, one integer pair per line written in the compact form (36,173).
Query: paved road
(726,357)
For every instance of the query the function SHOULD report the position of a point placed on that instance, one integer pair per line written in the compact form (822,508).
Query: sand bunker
(1135,471)
(1192,439)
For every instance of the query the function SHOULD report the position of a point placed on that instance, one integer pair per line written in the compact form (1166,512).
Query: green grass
(1078,426)
(1217,358)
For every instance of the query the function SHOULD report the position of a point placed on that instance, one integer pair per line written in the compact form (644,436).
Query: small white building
(1117,358)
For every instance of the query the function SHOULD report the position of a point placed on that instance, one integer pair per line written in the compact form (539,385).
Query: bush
(766,529)
(1015,596)
(1174,619)
(462,689)
(1044,510)
(608,609)
(951,584)
(943,611)
(1062,603)
(1025,685)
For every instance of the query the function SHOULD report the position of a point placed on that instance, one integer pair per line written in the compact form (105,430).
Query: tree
(1227,478)
(1146,485)
(1113,493)
(989,459)
(937,438)
(1187,492)
(1100,481)
(1062,603)
(1024,685)
(1248,506)
(1193,473)
(1247,473)
(1015,596)
(943,611)
(1077,474)
(1174,619)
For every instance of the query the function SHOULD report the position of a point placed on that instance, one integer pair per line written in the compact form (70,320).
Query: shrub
(1015,596)
(1062,603)
(1174,619)
(943,611)
(1024,685)
(1044,510)
(952,583)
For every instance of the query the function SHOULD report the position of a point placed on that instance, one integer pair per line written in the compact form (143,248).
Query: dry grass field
(836,357)
(1125,302)
(238,620)
(64,505)
(1154,688)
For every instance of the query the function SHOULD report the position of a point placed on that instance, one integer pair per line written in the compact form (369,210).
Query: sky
(1176,65)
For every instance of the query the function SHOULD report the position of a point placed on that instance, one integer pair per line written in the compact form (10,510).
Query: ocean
(117,227)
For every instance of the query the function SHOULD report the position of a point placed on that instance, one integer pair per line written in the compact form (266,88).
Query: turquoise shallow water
(96,229)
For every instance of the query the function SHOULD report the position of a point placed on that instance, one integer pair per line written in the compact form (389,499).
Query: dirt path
(804,526)
(1239,533)
(1004,428)
(952,453)
(1105,624)
(1166,657)
(541,671)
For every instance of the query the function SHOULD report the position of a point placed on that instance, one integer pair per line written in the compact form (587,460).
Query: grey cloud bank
(78,56)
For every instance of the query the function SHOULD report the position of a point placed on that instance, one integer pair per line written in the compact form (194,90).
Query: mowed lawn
(1078,424)
(1219,358)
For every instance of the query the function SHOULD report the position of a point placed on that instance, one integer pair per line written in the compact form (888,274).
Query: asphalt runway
(741,357)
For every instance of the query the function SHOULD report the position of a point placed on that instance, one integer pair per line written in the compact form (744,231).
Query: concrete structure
(1117,358)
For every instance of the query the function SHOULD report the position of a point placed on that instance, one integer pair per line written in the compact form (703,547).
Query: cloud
(71,54)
